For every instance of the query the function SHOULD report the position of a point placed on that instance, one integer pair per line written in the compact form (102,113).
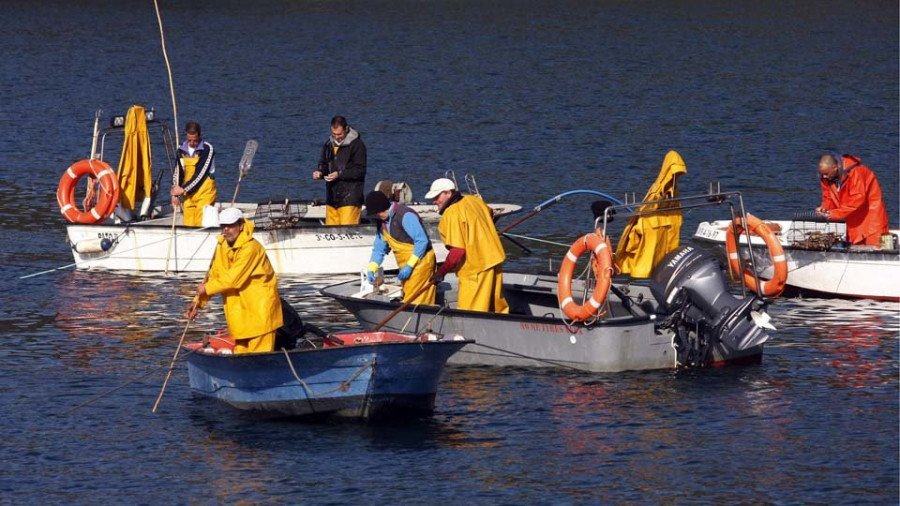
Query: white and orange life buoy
(602,255)
(768,287)
(109,191)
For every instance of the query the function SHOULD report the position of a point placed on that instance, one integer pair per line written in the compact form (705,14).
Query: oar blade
(247,159)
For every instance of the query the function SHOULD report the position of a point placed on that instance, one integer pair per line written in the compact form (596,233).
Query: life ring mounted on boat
(768,287)
(109,191)
(602,262)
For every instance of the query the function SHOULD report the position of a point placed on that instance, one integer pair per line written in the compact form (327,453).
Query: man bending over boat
(850,192)
(342,165)
(194,179)
(241,272)
(474,248)
(400,229)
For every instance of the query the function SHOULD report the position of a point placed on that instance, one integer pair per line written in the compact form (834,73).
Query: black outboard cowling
(690,287)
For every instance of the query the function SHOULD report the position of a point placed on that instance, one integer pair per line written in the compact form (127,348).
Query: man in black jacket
(342,165)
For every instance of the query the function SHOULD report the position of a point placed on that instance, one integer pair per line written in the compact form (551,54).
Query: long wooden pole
(171,366)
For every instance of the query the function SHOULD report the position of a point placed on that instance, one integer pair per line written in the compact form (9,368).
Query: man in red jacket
(850,192)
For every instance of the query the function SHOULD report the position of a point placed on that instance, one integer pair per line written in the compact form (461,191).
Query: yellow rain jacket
(647,239)
(245,278)
(135,170)
(467,224)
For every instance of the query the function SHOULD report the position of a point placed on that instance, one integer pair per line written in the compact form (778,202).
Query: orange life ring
(109,191)
(769,287)
(602,253)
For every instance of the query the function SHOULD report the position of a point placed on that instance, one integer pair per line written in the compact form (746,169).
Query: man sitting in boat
(241,272)
(400,229)
(850,192)
(474,250)
(194,179)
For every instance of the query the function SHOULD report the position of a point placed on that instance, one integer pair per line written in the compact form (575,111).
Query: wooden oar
(244,166)
(403,306)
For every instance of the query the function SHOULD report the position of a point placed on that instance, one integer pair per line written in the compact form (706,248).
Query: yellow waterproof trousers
(258,344)
(344,215)
(483,291)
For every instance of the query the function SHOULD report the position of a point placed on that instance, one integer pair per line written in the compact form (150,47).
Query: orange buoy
(768,287)
(109,191)
(602,254)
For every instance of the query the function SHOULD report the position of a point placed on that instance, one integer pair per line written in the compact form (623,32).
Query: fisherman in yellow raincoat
(647,239)
(194,178)
(400,229)
(474,248)
(241,272)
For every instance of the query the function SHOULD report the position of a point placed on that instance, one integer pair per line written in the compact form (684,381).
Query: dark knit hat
(376,202)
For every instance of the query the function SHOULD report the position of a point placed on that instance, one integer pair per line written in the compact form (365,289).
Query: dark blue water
(534,98)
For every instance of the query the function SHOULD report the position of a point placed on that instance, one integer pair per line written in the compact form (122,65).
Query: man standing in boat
(194,180)
(400,229)
(850,192)
(342,165)
(474,248)
(241,272)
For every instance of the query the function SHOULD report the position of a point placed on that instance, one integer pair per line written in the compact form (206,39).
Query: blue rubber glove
(405,273)
(371,277)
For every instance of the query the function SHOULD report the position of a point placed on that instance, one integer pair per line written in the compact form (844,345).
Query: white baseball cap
(230,216)
(440,185)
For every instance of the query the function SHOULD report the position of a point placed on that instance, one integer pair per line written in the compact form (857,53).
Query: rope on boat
(112,253)
(343,386)
(535,239)
(520,355)
(123,385)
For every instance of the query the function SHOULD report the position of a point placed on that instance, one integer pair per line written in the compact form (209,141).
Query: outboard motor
(690,287)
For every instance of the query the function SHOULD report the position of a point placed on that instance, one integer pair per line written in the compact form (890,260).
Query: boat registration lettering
(109,235)
(339,237)
(546,327)
(707,232)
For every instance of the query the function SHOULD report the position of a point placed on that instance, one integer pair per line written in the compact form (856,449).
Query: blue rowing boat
(354,375)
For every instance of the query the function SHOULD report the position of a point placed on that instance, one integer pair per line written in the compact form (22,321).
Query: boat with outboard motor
(345,375)
(684,316)
(153,238)
(819,261)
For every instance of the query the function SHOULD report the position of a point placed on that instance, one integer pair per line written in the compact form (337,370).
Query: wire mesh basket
(278,215)
(811,232)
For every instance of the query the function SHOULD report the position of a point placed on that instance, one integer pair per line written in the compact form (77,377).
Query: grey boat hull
(534,334)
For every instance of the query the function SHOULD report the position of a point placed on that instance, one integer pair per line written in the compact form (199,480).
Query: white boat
(293,233)
(819,262)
